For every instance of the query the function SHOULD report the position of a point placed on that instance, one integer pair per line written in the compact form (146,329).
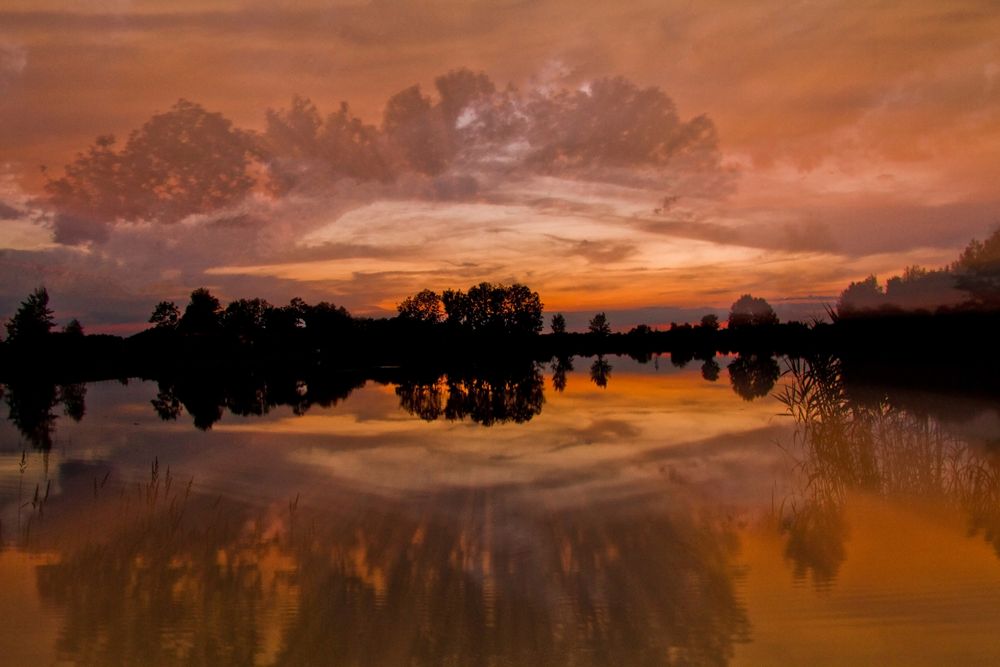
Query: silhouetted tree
(33,319)
(424,306)
(245,317)
(710,322)
(166,315)
(284,320)
(495,309)
(599,326)
(73,328)
(864,295)
(640,330)
(923,288)
(558,324)
(202,313)
(522,310)
(978,270)
(751,311)
(325,321)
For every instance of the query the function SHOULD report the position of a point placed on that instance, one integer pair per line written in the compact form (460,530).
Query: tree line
(970,282)
(489,319)
(485,310)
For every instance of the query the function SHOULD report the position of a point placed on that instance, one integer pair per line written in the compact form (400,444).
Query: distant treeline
(489,321)
(484,322)
(971,282)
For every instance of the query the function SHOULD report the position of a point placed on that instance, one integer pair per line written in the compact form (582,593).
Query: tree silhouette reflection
(560,367)
(31,402)
(485,396)
(425,399)
(710,370)
(462,577)
(207,397)
(600,372)
(753,375)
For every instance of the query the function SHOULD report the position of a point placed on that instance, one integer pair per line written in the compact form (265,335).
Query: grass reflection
(873,445)
(458,577)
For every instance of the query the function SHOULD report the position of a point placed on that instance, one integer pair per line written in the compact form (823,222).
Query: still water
(585,512)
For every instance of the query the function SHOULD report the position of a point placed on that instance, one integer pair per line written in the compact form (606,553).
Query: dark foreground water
(614,513)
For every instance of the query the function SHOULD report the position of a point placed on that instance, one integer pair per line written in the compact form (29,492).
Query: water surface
(588,512)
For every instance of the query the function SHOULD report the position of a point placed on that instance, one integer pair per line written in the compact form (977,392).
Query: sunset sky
(813,143)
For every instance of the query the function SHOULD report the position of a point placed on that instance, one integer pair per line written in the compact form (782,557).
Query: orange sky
(852,138)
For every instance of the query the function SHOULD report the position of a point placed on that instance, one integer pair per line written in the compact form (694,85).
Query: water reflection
(461,577)
(874,444)
(485,396)
(207,396)
(560,367)
(710,370)
(624,527)
(600,372)
(753,375)
(31,403)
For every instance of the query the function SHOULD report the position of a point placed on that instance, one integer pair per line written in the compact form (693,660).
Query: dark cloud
(80,286)
(602,431)
(467,139)
(455,188)
(606,132)
(72,229)
(371,24)
(9,212)
(696,229)
(327,251)
(599,252)
(809,236)
(872,224)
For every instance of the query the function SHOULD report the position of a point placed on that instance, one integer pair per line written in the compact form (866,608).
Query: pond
(742,510)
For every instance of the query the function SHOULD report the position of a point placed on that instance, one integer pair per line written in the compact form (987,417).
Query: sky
(652,159)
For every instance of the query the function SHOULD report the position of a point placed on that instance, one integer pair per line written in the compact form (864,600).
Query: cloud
(13,61)
(600,252)
(9,212)
(844,139)
(462,145)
